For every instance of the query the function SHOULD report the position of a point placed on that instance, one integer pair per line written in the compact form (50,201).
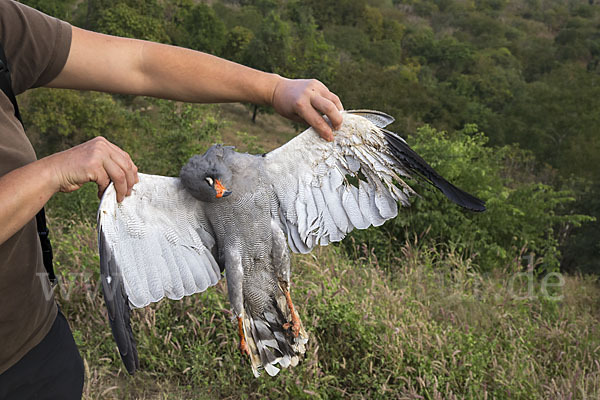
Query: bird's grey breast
(243,219)
(242,223)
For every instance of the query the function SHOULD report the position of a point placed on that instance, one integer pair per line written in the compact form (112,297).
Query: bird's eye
(209,180)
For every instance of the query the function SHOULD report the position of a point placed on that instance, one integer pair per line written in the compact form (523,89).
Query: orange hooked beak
(221,191)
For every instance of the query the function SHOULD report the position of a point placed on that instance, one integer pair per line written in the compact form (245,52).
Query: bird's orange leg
(243,345)
(295,324)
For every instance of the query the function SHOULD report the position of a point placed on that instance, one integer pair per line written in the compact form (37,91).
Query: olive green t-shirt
(36,47)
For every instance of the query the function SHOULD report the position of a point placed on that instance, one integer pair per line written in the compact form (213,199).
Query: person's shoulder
(10,8)
(15,17)
(36,45)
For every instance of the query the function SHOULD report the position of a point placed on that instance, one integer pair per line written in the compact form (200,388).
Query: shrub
(159,135)
(523,215)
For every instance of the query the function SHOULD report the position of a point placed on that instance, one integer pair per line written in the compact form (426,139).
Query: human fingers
(102,180)
(109,163)
(106,162)
(316,120)
(329,108)
(336,119)
(335,99)
(123,160)
(314,99)
(117,175)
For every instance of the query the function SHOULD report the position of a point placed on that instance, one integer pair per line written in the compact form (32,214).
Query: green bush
(522,217)
(60,119)
(169,133)
(433,329)
(159,135)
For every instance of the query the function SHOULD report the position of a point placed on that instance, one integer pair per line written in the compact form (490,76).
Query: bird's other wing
(326,189)
(155,243)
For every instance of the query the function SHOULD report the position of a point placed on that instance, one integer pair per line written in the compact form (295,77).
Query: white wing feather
(155,239)
(318,203)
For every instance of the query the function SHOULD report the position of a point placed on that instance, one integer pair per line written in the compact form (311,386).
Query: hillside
(525,73)
(423,321)
(425,326)
(500,97)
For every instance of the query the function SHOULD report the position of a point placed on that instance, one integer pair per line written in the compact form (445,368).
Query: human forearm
(187,75)
(23,192)
(119,65)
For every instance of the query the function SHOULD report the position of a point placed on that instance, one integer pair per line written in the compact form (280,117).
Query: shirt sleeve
(36,45)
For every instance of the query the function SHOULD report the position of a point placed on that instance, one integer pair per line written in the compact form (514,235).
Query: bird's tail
(271,343)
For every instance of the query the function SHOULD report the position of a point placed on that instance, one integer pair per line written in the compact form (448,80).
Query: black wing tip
(414,162)
(130,358)
(117,307)
(126,345)
(459,196)
(131,362)
(125,339)
(477,208)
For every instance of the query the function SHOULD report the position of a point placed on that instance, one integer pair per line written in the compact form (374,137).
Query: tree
(204,31)
(270,48)
(310,55)
(62,9)
(338,12)
(237,41)
(128,18)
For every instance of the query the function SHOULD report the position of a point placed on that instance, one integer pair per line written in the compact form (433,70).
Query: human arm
(120,65)
(25,190)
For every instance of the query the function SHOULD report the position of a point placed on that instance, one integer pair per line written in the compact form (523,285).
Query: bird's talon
(295,324)
(244,349)
(243,345)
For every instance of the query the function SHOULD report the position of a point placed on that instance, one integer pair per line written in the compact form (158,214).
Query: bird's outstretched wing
(326,189)
(154,243)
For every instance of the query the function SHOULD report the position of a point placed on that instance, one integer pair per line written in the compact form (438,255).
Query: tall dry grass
(426,326)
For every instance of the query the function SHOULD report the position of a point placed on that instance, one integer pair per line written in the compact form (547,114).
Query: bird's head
(208,177)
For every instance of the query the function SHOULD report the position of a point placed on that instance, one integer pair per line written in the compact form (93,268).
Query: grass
(423,325)
(426,326)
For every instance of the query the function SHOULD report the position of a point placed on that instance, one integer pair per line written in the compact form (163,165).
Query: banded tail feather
(272,346)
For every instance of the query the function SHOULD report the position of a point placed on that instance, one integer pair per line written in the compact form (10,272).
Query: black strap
(40,218)
(6,85)
(44,234)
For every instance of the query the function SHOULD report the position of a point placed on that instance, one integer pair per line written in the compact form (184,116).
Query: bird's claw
(294,325)
(244,349)
(243,345)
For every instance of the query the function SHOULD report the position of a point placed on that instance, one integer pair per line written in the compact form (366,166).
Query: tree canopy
(525,72)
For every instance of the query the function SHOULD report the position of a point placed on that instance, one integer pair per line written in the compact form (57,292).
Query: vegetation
(524,72)
(435,328)
(501,97)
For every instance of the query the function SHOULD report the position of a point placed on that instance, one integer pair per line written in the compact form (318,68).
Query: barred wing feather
(155,243)
(318,202)
(326,189)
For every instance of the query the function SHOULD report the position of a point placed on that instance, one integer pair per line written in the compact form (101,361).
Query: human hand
(96,160)
(305,100)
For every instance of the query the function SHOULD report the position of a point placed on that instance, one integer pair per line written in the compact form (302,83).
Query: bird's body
(252,248)
(243,213)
